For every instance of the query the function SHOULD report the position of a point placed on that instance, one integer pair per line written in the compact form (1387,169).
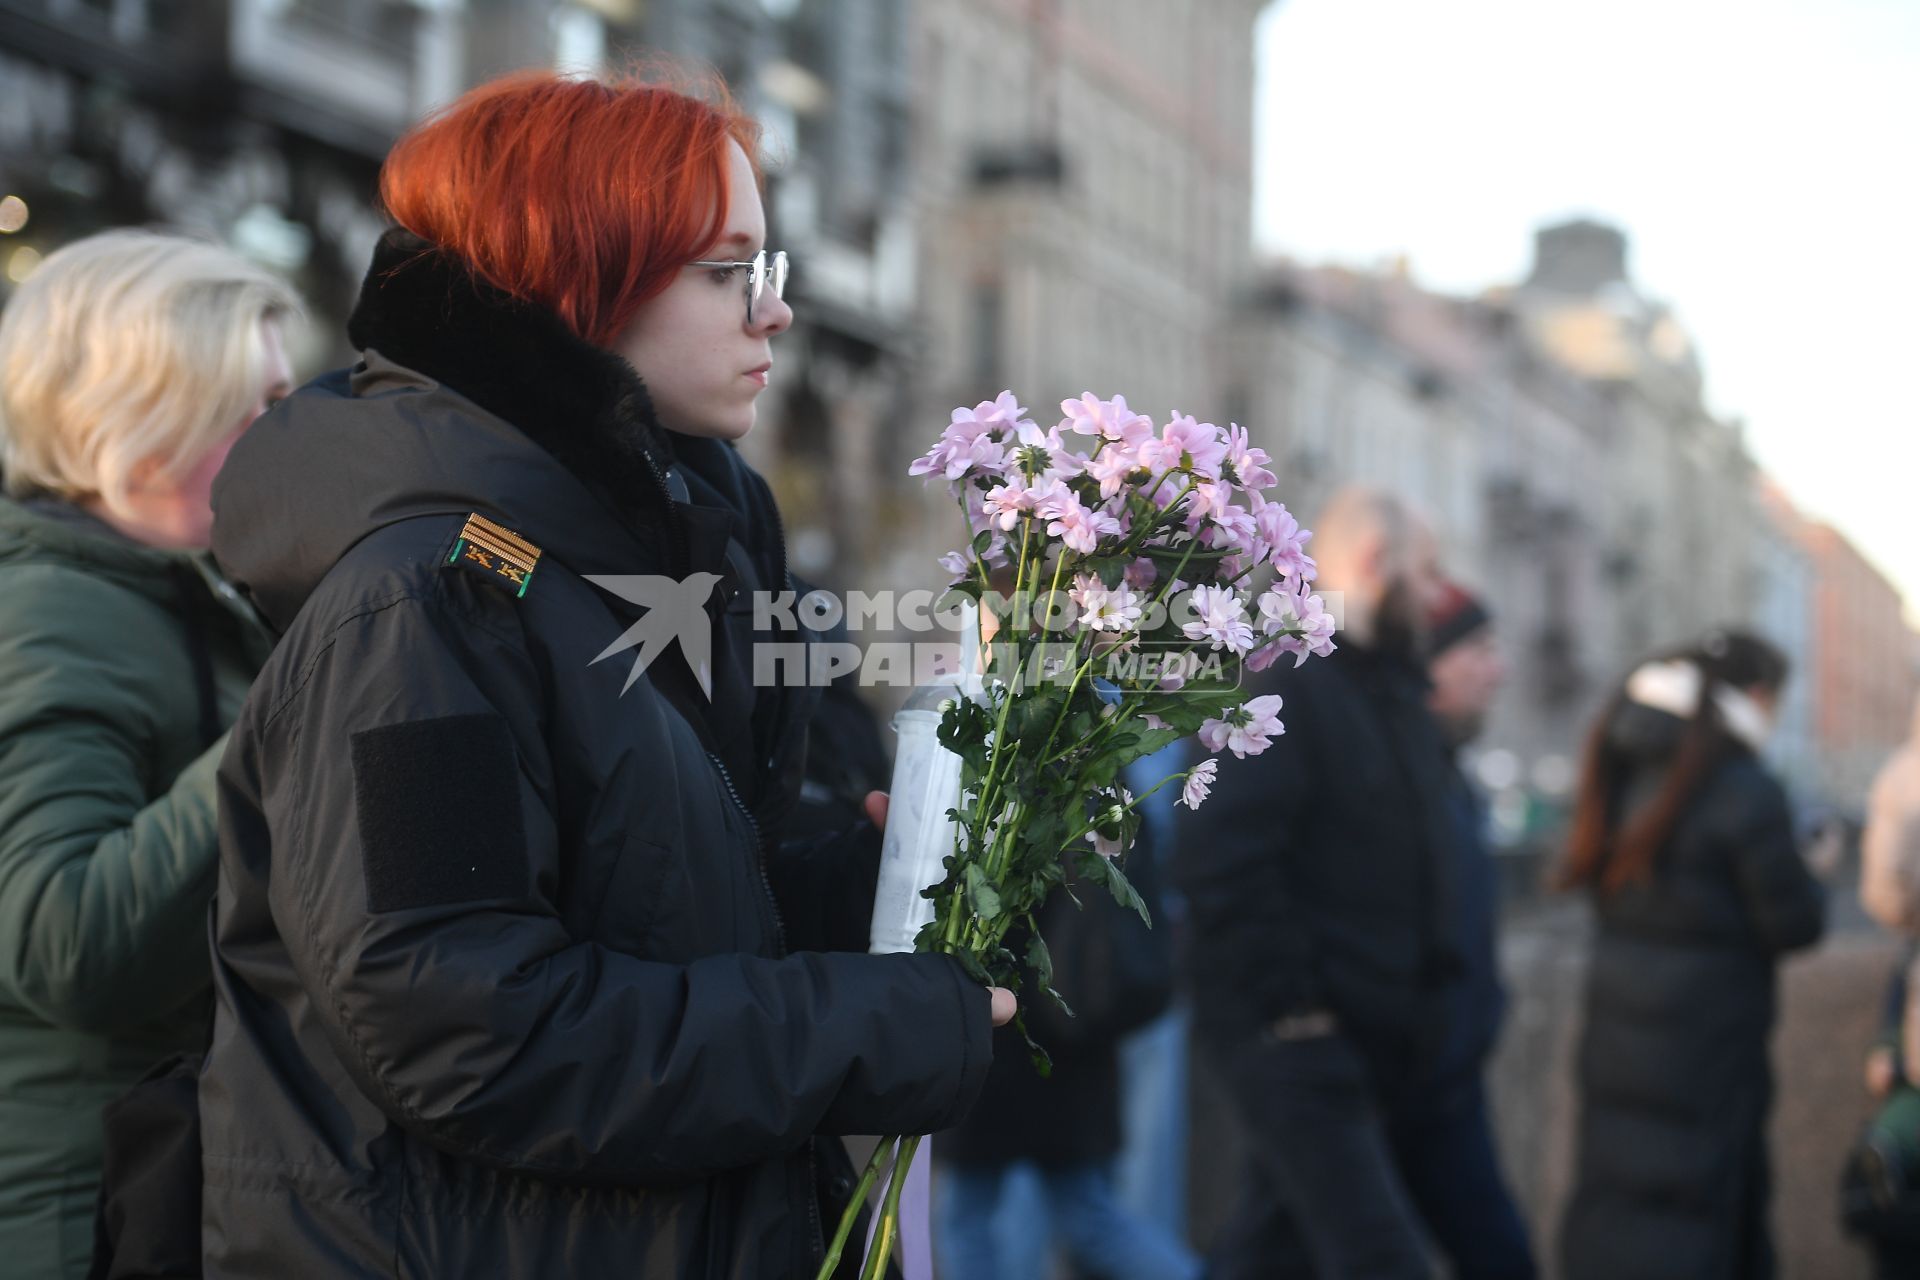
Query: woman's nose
(771,315)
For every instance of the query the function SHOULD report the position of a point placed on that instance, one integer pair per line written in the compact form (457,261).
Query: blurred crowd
(533,1060)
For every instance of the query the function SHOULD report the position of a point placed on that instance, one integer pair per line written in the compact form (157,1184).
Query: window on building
(380,23)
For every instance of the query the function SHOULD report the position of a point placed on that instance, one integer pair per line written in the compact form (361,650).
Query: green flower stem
(1002,750)
(1185,556)
(1073,841)
(1002,848)
(1093,740)
(1066,706)
(852,1212)
(1006,706)
(1160,480)
(889,1229)
(1163,519)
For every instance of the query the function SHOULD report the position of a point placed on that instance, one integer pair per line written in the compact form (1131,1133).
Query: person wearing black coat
(1323,950)
(1687,845)
(514,974)
(1444,1146)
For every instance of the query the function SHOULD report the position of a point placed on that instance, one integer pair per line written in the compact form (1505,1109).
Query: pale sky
(1763,156)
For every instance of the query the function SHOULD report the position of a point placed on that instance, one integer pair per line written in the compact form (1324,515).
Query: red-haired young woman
(515,975)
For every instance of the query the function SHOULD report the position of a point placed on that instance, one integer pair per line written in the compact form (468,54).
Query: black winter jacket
(1318,874)
(501,986)
(1675,1084)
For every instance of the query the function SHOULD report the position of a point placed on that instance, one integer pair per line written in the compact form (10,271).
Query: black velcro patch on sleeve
(439,808)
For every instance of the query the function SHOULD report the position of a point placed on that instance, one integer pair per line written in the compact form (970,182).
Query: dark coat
(1478,1001)
(1318,874)
(501,987)
(1675,1083)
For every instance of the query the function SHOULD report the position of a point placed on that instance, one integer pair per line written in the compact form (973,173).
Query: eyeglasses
(762,269)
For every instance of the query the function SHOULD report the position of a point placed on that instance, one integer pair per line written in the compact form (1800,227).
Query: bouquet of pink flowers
(1129,573)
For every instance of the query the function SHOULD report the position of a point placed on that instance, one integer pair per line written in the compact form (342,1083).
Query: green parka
(121,666)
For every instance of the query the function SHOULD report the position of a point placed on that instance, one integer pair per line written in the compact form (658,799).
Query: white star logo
(676,610)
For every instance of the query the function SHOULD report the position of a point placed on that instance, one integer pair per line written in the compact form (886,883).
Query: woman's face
(703,364)
(176,511)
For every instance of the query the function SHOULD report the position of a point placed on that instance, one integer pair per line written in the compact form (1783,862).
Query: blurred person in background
(1322,932)
(1686,844)
(1890,844)
(1445,1145)
(130,362)
(1152,1172)
(512,976)
(1883,1202)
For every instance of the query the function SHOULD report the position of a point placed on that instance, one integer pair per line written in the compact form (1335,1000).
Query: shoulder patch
(498,553)
(438,803)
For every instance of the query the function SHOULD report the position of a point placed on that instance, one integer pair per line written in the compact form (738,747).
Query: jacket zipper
(812,1189)
(785,580)
(676,532)
(760,849)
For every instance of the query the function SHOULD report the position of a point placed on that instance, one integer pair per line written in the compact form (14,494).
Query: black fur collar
(422,307)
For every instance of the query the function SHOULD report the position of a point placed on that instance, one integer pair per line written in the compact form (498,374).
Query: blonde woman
(129,364)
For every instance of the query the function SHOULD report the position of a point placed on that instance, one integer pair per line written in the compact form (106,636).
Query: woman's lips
(759,375)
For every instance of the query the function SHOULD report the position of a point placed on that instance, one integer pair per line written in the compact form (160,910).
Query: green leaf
(1039,959)
(982,541)
(965,589)
(1169,557)
(975,969)
(1127,895)
(1152,740)
(1183,715)
(1107,871)
(1042,1062)
(984,896)
(1044,828)
(1031,717)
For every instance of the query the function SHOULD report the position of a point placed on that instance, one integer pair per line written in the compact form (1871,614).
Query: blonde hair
(128,347)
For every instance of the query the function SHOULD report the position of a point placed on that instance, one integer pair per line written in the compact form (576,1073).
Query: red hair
(583,196)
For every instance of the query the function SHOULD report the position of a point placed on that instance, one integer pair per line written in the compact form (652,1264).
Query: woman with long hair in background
(1686,844)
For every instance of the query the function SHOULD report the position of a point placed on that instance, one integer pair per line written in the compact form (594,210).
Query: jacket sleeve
(105,871)
(1785,903)
(1248,937)
(463,1008)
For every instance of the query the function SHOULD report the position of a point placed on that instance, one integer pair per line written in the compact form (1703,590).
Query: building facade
(1555,435)
(1785,601)
(1863,677)
(262,123)
(1083,199)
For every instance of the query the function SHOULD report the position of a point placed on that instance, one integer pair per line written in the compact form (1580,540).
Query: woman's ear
(141,477)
